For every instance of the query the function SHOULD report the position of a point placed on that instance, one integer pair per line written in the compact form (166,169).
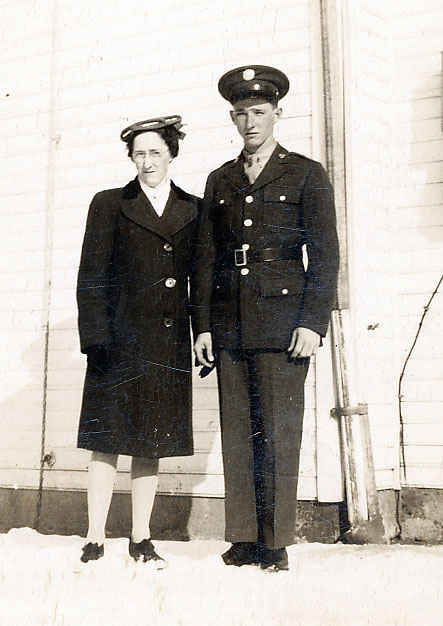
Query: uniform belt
(242,257)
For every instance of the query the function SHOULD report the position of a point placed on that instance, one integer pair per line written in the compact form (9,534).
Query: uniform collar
(274,168)
(263,152)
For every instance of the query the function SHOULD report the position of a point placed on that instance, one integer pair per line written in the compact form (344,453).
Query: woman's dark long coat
(132,297)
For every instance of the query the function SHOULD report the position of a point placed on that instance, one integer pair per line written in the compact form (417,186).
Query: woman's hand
(203,349)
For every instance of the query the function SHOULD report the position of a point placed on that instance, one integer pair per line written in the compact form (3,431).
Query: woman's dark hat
(253,81)
(155,123)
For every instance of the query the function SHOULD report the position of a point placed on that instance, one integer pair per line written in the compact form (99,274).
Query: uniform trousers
(261,406)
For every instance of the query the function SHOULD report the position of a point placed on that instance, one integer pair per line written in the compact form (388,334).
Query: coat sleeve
(95,275)
(319,223)
(203,265)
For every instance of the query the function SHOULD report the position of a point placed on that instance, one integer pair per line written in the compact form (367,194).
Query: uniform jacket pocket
(282,286)
(282,195)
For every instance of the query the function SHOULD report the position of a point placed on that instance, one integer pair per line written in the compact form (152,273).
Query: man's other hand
(304,343)
(203,349)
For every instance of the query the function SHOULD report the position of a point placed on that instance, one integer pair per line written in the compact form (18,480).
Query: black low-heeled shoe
(145,551)
(92,552)
(241,553)
(274,560)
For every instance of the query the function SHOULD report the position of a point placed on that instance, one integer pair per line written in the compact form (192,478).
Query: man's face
(255,119)
(151,157)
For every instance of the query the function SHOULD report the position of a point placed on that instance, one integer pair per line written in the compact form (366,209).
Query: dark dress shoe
(274,560)
(92,552)
(241,553)
(144,551)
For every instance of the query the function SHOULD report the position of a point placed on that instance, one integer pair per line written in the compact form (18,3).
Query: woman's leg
(144,477)
(101,476)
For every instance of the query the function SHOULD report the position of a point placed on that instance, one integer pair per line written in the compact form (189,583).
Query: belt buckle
(243,261)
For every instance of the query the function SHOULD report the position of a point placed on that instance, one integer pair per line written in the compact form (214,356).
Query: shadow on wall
(63,497)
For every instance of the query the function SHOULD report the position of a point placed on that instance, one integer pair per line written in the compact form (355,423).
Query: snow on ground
(43,583)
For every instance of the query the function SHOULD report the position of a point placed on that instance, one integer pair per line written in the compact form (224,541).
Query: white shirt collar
(157,196)
(263,152)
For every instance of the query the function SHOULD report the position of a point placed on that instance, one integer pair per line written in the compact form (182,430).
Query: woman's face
(151,157)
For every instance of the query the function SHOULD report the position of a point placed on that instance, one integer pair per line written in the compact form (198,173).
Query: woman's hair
(169,134)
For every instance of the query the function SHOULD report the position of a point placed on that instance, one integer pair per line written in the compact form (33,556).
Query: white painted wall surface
(369,117)
(395,176)
(418,219)
(75,74)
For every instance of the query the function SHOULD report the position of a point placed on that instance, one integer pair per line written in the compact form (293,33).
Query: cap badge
(249,74)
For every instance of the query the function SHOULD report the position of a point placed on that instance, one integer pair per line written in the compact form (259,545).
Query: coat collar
(274,168)
(179,210)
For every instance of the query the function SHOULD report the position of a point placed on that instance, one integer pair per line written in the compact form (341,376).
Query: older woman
(132,297)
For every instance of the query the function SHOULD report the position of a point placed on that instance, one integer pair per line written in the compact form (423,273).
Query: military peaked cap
(253,81)
(155,123)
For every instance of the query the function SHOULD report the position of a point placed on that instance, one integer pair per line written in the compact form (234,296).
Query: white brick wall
(113,66)
(368,76)
(396,198)
(419,222)
(24,72)
(74,75)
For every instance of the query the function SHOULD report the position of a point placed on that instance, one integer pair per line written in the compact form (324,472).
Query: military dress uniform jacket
(133,298)
(256,304)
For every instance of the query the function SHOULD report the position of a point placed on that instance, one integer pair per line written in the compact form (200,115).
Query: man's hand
(203,349)
(304,343)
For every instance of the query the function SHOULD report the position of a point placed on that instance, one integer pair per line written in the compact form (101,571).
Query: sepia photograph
(221,313)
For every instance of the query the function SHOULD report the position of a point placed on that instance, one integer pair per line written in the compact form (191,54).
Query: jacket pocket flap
(290,286)
(288,195)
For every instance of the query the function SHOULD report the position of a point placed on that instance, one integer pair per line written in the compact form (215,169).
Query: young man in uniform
(259,315)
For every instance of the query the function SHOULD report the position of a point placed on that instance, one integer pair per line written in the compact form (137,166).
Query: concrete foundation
(421,515)
(178,518)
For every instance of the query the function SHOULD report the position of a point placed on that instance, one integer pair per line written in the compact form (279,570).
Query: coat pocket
(282,195)
(281,209)
(282,286)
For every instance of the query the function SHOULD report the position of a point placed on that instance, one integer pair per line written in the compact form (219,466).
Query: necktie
(253,167)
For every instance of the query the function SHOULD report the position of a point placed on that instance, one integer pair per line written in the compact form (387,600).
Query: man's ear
(233,118)
(278,113)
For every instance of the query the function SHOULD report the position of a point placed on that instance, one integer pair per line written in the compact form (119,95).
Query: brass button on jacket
(170,282)
(290,204)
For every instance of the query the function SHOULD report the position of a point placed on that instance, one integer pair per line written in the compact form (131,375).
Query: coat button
(245,246)
(249,199)
(285,291)
(247,222)
(282,198)
(168,322)
(221,201)
(170,282)
(167,247)
(244,271)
